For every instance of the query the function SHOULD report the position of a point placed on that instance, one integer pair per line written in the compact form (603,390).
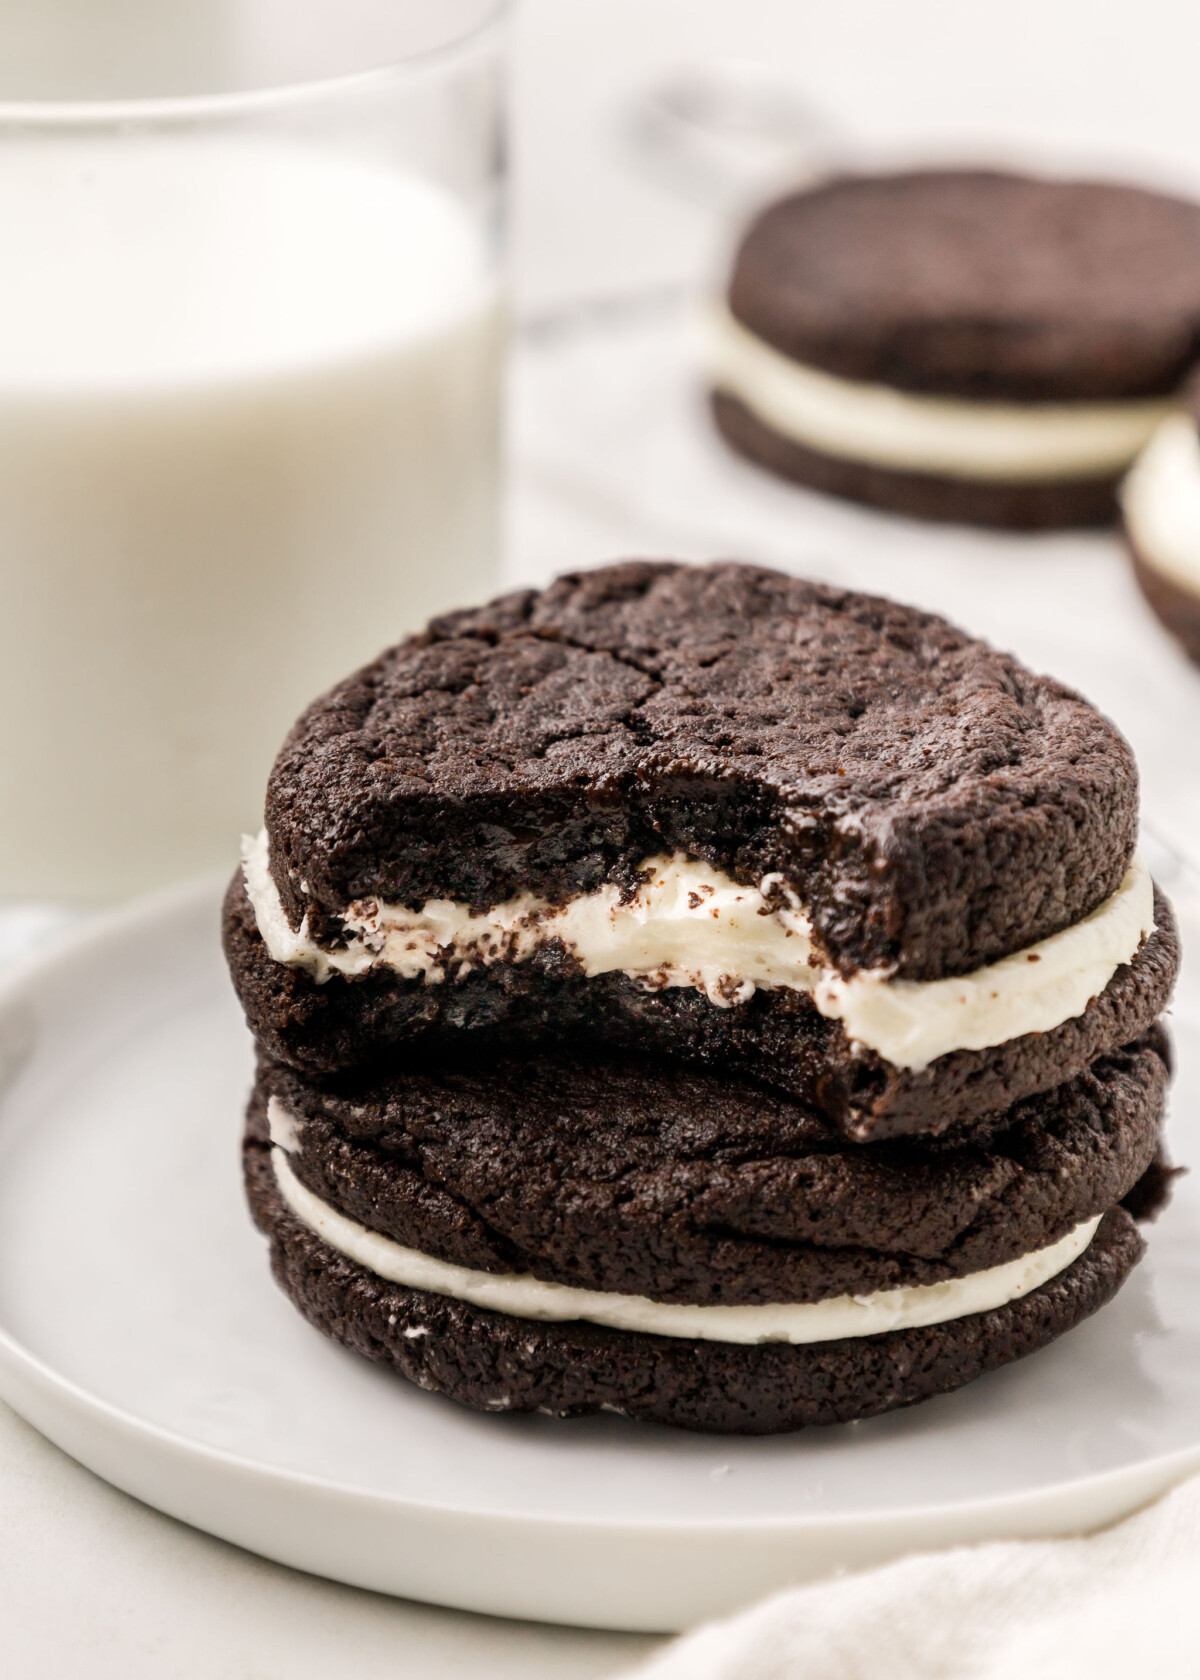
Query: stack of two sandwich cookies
(699,994)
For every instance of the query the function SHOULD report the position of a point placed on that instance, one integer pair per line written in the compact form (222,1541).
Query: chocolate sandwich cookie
(574,1234)
(1161,504)
(958,344)
(720,814)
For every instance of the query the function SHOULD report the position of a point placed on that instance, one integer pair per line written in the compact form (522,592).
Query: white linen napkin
(1122,1603)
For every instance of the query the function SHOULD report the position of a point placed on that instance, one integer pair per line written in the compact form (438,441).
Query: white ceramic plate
(140,1330)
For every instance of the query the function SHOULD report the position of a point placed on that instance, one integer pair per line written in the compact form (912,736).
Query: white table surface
(94,1586)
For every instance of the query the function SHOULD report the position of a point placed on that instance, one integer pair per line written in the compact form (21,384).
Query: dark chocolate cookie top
(975,283)
(933,803)
(628,1175)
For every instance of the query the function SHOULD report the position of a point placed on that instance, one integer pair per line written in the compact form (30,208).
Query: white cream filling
(956,437)
(1161,498)
(285,1129)
(691,925)
(912,1022)
(522,1296)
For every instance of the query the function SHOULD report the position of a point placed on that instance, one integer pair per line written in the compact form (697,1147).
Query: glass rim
(65,113)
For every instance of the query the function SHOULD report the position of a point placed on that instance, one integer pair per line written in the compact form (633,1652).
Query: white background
(1111,82)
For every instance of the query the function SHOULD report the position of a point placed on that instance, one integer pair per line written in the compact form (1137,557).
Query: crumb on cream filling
(1161,501)
(520,1295)
(690,924)
(908,431)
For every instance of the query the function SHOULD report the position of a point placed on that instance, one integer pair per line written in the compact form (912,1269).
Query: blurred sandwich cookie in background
(958,344)
(1161,501)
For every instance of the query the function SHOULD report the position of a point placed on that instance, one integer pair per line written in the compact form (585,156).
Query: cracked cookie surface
(932,803)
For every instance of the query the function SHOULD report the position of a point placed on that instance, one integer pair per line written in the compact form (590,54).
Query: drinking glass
(250,349)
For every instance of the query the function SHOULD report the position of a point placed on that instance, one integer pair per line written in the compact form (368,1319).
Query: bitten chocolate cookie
(717,813)
(959,344)
(571,1234)
(1161,503)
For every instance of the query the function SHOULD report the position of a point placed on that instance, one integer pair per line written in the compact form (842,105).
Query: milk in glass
(248,436)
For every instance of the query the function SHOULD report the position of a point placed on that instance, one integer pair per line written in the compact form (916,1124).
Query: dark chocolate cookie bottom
(1009,506)
(495,1363)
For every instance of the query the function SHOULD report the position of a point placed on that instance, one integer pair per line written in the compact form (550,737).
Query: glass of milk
(250,344)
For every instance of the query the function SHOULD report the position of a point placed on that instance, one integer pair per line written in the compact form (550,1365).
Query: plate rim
(13,1351)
